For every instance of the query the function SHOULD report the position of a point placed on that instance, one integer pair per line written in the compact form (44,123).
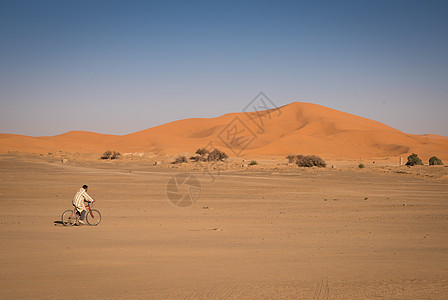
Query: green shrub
(413,160)
(361,166)
(310,161)
(253,163)
(180,159)
(435,161)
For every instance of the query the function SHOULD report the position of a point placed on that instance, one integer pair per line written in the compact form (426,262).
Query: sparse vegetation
(206,155)
(291,158)
(413,160)
(253,163)
(307,160)
(361,166)
(202,152)
(435,161)
(217,155)
(110,155)
(115,155)
(180,159)
(106,155)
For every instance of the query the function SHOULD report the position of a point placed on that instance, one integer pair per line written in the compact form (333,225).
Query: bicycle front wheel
(93,217)
(68,218)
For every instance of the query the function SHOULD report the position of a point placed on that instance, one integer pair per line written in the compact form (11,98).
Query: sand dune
(295,128)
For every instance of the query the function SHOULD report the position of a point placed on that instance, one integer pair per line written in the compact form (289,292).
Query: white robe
(79,198)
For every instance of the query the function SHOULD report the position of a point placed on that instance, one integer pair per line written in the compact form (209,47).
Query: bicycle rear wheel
(93,217)
(68,218)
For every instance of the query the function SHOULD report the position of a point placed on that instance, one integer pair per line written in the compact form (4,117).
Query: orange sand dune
(295,128)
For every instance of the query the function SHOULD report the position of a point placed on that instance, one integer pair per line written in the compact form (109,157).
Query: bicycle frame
(93,216)
(88,210)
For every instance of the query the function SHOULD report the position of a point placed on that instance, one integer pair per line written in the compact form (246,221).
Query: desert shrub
(306,160)
(202,152)
(217,155)
(361,166)
(115,155)
(291,158)
(195,158)
(106,155)
(413,160)
(202,155)
(180,159)
(110,155)
(294,158)
(206,155)
(435,161)
(253,163)
(310,161)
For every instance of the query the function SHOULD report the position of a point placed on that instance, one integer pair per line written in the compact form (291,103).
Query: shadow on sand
(58,223)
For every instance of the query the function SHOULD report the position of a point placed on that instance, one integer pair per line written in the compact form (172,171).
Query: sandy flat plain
(255,233)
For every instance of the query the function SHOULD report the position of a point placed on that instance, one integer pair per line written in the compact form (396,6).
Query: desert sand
(271,231)
(295,128)
(267,231)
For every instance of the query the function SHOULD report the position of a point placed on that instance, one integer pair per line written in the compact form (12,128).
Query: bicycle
(71,217)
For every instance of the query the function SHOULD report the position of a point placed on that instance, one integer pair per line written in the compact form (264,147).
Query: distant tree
(413,160)
(435,161)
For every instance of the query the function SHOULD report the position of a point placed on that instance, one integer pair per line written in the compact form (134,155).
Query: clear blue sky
(123,66)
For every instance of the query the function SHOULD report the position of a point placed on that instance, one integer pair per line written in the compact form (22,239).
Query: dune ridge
(294,128)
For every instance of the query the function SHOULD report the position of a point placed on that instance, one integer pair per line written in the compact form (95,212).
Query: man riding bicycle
(78,202)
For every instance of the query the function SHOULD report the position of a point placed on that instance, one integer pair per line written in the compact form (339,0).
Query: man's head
(85,187)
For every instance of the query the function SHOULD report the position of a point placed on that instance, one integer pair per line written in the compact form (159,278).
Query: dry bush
(110,155)
(202,155)
(307,160)
(291,158)
(180,159)
(202,152)
(217,155)
(205,155)
(115,155)
(106,155)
